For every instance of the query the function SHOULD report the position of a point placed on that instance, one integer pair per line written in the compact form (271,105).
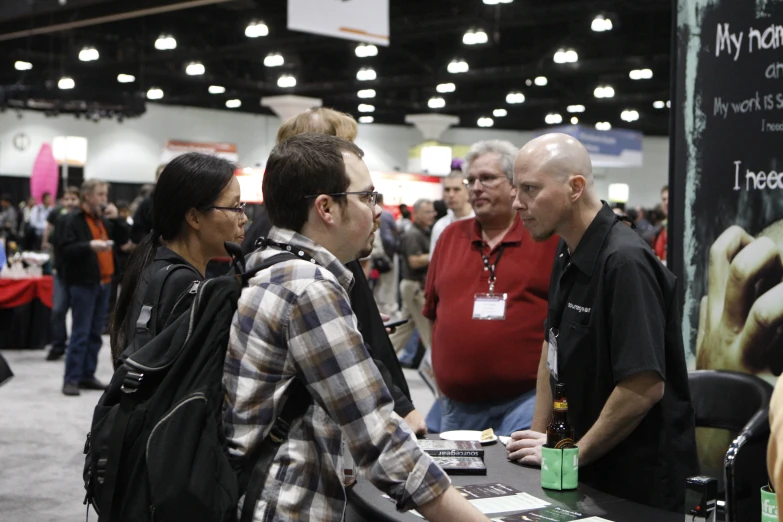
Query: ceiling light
(256,29)
(603,91)
(363,107)
(216,89)
(155,93)
(366,74)
(366,119)
(603,126)
(66,82)
(436,103)
(541,81)
(458,66)
(126,78)
(668,104)
(515,97)
(601,24)
(286,81)
(500,113)
(22,66)
(485,122)
(366,50)
(496,2)
(574,120)
(366,93)
(446,87)
(575,108)
(476,37)
(640,74)
(274,60)
(88,54)
(233,104)
(165,43)
(659,104)
(195,69)
(566,56)
(629,115)
(553,118)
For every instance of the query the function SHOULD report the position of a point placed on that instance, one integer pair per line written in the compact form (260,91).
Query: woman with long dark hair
(195,209)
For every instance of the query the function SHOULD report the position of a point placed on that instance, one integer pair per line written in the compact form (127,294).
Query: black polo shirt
(615,307)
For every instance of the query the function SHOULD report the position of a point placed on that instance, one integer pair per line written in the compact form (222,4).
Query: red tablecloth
(16,292)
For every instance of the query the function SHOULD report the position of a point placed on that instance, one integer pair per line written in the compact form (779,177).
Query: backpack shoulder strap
(254,471)
(278,258)
(148,316)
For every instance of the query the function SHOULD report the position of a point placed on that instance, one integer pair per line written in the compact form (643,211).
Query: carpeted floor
(42,435)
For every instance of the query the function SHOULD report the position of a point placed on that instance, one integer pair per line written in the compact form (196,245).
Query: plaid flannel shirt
(295,319)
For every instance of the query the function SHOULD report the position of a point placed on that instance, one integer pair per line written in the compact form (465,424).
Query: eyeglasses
(239,210)
(486,180)
(372,196)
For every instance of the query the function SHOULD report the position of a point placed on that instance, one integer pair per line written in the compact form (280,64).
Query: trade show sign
(360,20)
(726,223)
(612,148)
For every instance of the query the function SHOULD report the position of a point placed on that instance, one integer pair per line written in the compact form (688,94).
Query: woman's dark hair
(192,180)
(304,165)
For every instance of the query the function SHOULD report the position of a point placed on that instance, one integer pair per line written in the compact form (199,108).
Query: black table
(366,504)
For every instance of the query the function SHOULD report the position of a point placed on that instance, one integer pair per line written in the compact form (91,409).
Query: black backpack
(156,450)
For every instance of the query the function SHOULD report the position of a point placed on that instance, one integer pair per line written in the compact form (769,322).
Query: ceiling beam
(56,28)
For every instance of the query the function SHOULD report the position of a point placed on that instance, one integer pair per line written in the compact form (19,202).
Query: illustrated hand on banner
(742,314)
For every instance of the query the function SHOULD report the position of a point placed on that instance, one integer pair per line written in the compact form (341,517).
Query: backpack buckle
(100,470)
(279,431)
(132,382)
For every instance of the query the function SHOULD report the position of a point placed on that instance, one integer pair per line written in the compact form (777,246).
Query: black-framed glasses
(239,210)
(372,196)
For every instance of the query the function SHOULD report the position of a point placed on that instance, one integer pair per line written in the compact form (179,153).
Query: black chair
(737,402)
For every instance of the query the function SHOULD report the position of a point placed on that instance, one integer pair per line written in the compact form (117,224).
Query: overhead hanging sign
(176,148)
(360,20)
(612,148)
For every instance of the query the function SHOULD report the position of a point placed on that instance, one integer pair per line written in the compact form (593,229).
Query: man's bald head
(559,155)
(554,180)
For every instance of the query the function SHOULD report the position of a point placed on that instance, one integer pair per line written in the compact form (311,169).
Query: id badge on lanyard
(551,355)
(490,306)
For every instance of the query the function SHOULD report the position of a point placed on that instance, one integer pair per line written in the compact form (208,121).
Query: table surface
(367,501)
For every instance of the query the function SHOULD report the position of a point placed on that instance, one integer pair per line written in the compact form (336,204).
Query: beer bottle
(559,433)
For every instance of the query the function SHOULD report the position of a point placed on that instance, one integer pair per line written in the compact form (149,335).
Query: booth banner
(398,188)
(360,20)
(176,148)
(251,182)
(612,148)
(726,225)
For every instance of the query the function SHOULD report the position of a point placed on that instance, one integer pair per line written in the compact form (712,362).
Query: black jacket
(370,323)
(78,259)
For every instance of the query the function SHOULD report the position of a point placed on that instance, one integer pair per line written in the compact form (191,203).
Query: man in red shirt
(486,292)
(662,239)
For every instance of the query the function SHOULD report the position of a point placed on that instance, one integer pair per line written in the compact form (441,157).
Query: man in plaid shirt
(295,320)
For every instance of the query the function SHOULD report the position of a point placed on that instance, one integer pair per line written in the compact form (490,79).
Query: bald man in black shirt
(613,337)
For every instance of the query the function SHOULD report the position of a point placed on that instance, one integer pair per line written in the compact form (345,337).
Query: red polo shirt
(483,361)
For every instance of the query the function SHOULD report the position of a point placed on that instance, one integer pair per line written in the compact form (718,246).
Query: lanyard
(491,267)
(265,241)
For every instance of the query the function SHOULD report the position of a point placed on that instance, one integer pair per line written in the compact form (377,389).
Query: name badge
(489,307)
(551,356)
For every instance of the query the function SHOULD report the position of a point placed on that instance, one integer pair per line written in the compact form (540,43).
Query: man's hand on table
(525,447)
(416,422)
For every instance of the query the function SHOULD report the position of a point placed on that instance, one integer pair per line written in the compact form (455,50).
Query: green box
(769,505)
(559,468)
